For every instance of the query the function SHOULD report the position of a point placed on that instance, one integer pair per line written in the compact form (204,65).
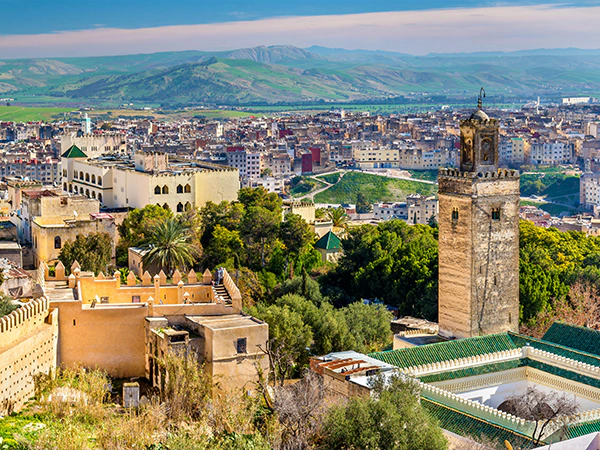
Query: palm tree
(170,246)
(337,216)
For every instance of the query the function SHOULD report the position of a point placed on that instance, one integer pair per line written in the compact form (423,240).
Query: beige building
(148,178)
(126,328)
(419,159)
(94,144)
(376,158)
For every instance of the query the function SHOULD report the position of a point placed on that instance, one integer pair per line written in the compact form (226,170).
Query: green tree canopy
(390,420)
(93,252)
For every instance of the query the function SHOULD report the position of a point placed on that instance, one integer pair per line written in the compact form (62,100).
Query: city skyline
(473,27)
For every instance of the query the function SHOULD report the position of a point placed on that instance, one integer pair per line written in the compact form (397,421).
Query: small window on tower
(454,214)
(241,345)
(495,213)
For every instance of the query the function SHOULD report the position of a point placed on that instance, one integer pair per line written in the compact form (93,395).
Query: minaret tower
(478,236)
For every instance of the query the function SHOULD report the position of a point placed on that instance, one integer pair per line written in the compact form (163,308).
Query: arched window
(87,192)
(179,207)
(87,177)
(75,175)
(70,187)
(81,175)
(455,214)
(99,180)
(93,194)
(165,206)
(165,189)
(157,190)
(100,198)
(188,206)
(93,179)
(57,242)
(495,213)
(65,186)
(188,189)
(179,189)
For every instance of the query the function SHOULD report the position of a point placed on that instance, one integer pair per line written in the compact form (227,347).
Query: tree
(363,205)
(93,252)
(259,229)
(170,246)
(260,197)
(370,326)
(392,419)
(133,231)
(6,305)
(289,339)
(338,217)
(295,233)
(547,409)
(224,246)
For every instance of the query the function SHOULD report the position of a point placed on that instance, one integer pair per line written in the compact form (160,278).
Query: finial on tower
(480,98)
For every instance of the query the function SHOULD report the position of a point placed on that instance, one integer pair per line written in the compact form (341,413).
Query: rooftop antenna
(480,98)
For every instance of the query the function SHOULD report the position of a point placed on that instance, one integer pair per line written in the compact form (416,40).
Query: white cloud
(503,28)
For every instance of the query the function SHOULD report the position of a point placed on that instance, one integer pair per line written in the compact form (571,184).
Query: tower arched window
(166,206)
(188,189)
(495,213)
(179,189)
(100,198)
(157,190)
(65,186)
(99,180)
(93,194)
(81,175)
(455,213)
(57,242)
(75,189)
(165,189)
(188,206)
(87,192)
(93,179)
(179,207)
(87,177)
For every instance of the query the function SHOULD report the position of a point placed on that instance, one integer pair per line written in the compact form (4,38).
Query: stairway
(221,292)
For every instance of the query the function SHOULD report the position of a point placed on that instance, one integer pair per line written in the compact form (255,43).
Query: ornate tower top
(479,141)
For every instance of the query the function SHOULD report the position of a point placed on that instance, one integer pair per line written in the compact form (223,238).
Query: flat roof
(227,321)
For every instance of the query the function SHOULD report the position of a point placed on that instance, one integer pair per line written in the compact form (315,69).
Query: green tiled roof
(578,355)
(472,371)
(444,351)
(465,424)
(328,241)
(74,152)
(563,373)
(579,338)
(582,429)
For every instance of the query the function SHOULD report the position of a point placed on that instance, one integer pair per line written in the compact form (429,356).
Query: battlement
(500,174)
(35,309)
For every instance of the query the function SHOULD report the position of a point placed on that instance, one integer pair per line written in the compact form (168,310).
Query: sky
(62,28)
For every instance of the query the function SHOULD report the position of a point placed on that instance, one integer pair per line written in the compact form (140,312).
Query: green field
(31,114)
(330,178)
(427,175)
(376,188)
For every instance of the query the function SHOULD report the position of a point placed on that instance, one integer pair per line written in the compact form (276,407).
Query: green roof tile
(582,429)
(578,355)
(472,371)
(74,152)
(465,424)
(445,351)
(579,338)
(328,241)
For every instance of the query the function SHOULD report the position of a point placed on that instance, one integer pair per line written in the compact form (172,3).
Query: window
(87,177)
(166,206)
(241,345)
(81,175)
(103,299)
(93,179)
(135,299)
(87,193)
(188,206)
(495,213)
(99,180)
(454,214)
(100,198)
(179,189)
(165,189)
(93,194)
(157,190)
(188,189)
(179,207)
(57,242)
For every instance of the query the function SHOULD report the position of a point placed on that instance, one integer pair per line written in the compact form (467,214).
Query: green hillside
(286,74)
(376,189)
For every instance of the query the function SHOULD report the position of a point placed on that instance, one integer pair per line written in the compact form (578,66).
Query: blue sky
(53,28)
(44,16)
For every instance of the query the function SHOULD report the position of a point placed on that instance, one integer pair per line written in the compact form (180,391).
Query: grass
(330,178)
(31,114)
(552,208)
(427,175)
(376,189)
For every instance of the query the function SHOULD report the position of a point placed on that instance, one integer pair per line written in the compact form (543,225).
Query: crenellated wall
(28,345)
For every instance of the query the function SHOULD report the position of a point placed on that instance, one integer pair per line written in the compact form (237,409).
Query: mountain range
(287,74)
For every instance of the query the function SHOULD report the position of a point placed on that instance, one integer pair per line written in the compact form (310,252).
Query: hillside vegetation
(287,74)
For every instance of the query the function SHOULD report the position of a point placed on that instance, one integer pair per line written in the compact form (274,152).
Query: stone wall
(28,345)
